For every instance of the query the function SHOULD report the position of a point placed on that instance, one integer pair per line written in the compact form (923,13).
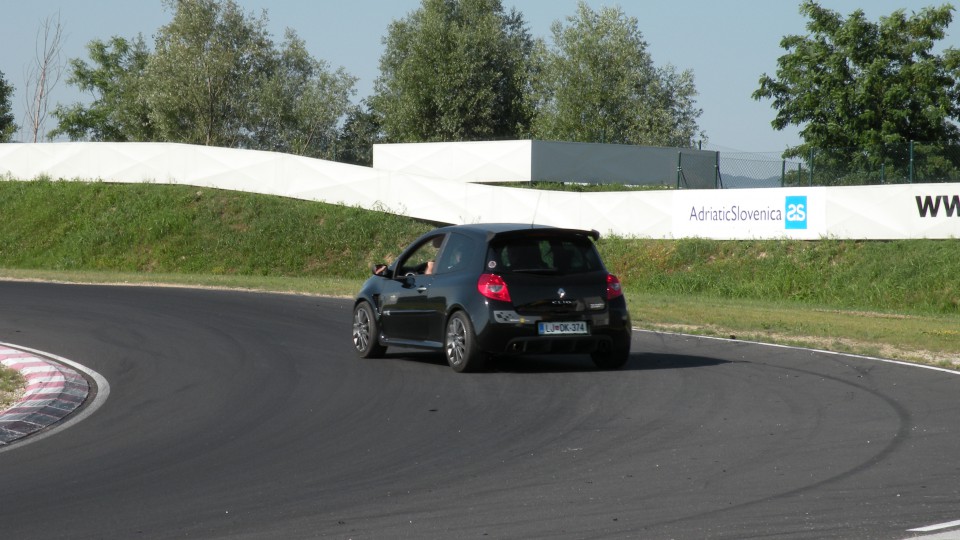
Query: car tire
(616,356)
(366,333)
(460,344)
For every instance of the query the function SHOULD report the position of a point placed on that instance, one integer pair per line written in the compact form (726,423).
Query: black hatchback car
(476,291)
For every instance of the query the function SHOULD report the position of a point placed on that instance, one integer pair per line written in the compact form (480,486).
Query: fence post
(783,172)
(911,162)
(810,170)
(679,168)
(716,172)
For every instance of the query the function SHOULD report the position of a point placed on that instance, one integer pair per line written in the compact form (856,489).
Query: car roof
(490,230)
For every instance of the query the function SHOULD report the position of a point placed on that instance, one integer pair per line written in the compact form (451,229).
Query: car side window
(422,259)
(456,254)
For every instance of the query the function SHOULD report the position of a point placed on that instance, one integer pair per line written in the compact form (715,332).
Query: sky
(727,44)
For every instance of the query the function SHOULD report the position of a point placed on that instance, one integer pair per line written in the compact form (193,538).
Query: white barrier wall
(478,161)
(525,161)
(870,212)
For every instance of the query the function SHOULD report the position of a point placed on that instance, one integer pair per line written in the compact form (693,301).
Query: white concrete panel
(481,161)
(524,161)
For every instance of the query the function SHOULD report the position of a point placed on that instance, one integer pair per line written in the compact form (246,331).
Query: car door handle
(421,289)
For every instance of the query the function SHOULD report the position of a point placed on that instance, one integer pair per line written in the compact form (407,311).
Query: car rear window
(554,255)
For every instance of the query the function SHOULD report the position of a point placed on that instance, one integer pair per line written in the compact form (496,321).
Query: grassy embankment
(894,299)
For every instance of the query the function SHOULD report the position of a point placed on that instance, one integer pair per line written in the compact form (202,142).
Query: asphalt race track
(242,415)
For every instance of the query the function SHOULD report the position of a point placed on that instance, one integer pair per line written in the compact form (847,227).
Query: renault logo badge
(561,292)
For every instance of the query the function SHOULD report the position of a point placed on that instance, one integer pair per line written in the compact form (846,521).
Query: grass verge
(932,339)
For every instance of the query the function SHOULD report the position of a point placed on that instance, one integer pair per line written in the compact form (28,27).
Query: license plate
(562,328)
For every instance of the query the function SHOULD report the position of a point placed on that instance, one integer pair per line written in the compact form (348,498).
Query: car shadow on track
(566,363)
(583,364)
(645,361)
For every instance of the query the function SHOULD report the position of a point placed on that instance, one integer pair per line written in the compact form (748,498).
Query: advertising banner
(895,211)
(745,214)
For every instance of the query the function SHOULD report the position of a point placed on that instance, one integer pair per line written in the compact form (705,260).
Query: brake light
(613,287)
(493,287)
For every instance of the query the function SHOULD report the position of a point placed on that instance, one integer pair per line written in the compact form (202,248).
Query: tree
(454,70)
(598,83)
(859,88)
(7,125)
(119,111)
(361,130)
(43,75)
(201,81)
(215,78)
(301,102)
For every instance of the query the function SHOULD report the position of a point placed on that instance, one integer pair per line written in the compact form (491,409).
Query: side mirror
(381,270)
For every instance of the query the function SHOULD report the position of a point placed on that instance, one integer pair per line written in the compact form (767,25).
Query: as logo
(796,212)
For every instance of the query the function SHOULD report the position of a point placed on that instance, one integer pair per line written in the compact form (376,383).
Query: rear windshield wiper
(535,270)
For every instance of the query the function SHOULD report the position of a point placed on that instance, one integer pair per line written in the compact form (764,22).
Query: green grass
(924,338)
(10,384)
(914,276)
(169,229)
(893,299)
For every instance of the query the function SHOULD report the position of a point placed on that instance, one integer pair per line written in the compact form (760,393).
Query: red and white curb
(54,390)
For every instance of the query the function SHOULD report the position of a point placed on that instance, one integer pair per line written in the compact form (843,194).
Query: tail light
(613,287)
(493,287)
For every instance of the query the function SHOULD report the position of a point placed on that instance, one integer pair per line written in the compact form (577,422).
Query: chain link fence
(903,163)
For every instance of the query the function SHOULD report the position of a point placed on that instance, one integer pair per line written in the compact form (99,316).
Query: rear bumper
(558,345)
(607,330)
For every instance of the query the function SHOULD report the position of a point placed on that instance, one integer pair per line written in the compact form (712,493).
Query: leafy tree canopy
(598,83)
(361,130)
(208,62)
(856,85)
(118,111)
(7,125)
(300,103)
(454,70)
(214,78)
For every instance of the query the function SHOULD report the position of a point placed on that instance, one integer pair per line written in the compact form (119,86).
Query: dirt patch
(867,314)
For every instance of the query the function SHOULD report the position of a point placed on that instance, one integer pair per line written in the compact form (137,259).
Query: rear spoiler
(544,231)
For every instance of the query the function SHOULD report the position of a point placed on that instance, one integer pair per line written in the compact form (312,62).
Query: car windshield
(548,255)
